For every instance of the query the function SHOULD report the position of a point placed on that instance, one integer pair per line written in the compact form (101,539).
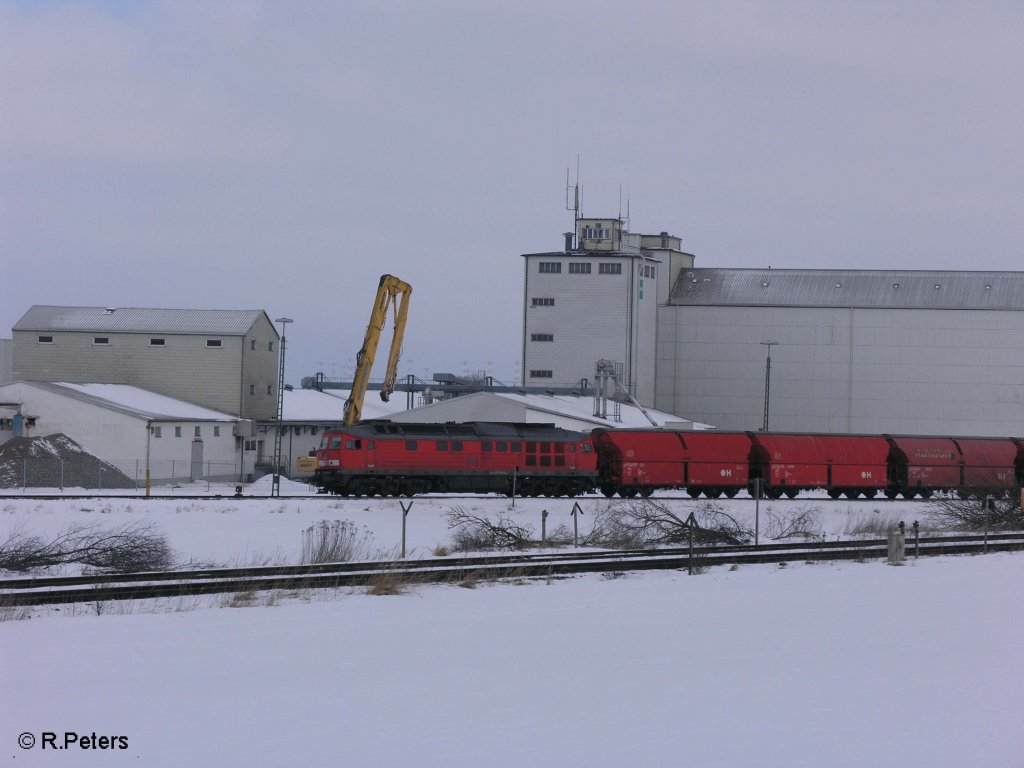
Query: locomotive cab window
(587,447)
(486,446)
(353,445)
(335,442)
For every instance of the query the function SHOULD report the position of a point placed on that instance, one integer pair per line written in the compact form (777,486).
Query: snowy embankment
(847,664)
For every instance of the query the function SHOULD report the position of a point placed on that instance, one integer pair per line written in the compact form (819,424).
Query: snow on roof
(311,405)
(583,408)
(228,322)
(134,401)
(540,408)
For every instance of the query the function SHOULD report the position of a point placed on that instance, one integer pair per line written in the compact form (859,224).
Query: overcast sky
(283,155)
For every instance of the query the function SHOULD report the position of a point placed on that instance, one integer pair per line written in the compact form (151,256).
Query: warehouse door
(197,460)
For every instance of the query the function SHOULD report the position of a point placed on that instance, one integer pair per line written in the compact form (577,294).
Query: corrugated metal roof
(224,322)
(133,401)
(896,289)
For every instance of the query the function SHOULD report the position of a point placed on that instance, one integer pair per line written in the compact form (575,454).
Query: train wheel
(608,491)
(646,492)
(714,493)
(730,493)
(926,493)
(694,492)
(792,492)
(629,492)
(834,493)
(773,493)
(891,493)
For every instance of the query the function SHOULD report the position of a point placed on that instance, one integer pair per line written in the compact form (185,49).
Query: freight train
(390,459)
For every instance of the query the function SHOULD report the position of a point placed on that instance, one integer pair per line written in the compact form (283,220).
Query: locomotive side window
(353,445)
(545,447)
(485,446)
(410,445)
(545,461)
(515,446)
(559,447)
(456,445)
(570,447)
(442,445)
(587,447)
(502,447)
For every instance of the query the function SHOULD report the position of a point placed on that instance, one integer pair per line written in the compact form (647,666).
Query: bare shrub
(335,541)
(799,523)
(970,515)
(476,533)
(641,523)
(130,548)
(871,525)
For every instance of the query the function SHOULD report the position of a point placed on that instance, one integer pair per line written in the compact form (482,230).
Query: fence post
(691,523)
(405,514)
(62,474)
(757,510)
(988,512)
(897,546)
(24,474)
(575,523)
(543,525)
(917,539)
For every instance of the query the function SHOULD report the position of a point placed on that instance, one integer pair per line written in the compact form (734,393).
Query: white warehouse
(135,430)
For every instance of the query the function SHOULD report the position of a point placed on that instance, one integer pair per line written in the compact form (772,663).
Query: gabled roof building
(225,360)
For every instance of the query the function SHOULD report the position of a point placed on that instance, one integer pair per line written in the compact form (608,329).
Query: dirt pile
(55,461)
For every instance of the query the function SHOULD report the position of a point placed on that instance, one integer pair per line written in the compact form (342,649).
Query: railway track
(136,586)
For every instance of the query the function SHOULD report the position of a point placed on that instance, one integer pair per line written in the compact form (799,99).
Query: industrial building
(853,351)
(132,429)
(224,360)
(597,300)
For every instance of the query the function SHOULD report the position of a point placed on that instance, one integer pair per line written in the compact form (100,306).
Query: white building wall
(910,371)
(121,439)
(594,317)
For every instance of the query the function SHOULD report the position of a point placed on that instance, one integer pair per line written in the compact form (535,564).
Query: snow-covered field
(849,664)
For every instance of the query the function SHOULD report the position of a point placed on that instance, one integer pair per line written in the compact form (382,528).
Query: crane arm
(391,292)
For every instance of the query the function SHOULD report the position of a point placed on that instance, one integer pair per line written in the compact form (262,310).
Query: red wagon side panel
(931,462)
(988,462)
(640,457)
(717,459)
(657,458)
(821,461)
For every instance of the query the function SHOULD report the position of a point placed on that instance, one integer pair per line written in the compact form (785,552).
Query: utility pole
(767,381)
(275,486)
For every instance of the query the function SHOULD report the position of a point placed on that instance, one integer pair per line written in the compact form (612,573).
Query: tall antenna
(575,207)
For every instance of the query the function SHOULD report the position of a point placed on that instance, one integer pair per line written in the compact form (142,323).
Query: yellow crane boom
(394,293)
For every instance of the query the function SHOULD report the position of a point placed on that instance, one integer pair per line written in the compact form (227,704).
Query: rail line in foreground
(45,590)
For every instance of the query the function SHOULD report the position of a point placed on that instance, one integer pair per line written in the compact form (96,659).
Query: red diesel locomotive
(390,459)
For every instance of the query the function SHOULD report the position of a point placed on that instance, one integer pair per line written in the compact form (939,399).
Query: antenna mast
(575,207)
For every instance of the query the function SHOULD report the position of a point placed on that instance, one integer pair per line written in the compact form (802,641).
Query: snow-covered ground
(848,664)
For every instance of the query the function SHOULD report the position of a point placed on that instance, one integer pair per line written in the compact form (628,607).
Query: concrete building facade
(595,301)
(853,351)
(903,352)
(225,360)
